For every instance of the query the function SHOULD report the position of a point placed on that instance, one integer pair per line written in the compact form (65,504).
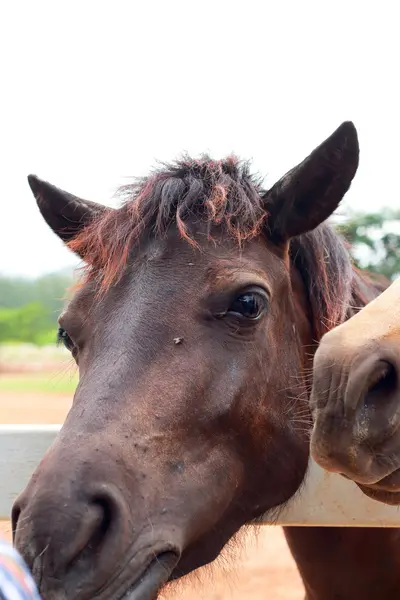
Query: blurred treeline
(29,308)
(374,240)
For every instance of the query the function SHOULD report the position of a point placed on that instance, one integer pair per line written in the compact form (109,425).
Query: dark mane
(325,266)
(220,193)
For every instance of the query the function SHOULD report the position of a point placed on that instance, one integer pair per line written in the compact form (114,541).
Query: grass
(41,383)
(45,370)
(29,353)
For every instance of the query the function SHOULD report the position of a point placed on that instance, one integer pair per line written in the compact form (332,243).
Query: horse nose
(67,536)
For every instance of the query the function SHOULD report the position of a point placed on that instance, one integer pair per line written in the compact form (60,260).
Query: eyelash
(64,339)
(247,305)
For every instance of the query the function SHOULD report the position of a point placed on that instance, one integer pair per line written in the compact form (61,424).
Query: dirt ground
(260,569)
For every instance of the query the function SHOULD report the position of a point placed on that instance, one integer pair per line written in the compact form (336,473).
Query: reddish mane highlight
(221,193)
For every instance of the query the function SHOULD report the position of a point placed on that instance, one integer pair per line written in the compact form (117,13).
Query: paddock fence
(325,499)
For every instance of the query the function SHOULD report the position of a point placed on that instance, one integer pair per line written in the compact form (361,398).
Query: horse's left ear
(308,194)
(65,213)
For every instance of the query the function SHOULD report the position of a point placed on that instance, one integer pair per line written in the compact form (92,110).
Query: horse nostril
(99,524)
(106,507)
(66,537)
(381,382)
(15,515)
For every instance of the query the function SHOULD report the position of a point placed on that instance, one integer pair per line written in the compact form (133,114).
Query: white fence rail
(324,500)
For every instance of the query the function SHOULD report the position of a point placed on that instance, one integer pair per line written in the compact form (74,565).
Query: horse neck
(347,563)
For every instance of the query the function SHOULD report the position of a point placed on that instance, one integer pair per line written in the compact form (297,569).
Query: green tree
(30,323)
(29,308)
(374,240)
(51,290)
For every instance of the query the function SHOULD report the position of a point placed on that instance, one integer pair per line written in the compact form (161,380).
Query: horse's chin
(153,578)
(387,490)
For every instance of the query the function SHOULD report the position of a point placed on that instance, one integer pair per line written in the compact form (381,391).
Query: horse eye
(63,338)
(250,305)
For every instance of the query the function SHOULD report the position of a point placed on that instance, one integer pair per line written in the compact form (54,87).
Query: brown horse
(356,398)
(194,331)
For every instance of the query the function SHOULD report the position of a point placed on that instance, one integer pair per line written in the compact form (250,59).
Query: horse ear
(64,213)
(311,192)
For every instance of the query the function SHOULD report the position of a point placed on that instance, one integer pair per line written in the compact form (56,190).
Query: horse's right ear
(64,213)
(308,194)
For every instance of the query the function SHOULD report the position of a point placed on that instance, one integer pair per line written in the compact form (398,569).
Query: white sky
(92,92)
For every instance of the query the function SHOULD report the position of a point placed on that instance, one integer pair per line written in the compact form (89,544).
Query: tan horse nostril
(372,382)
(381,382)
